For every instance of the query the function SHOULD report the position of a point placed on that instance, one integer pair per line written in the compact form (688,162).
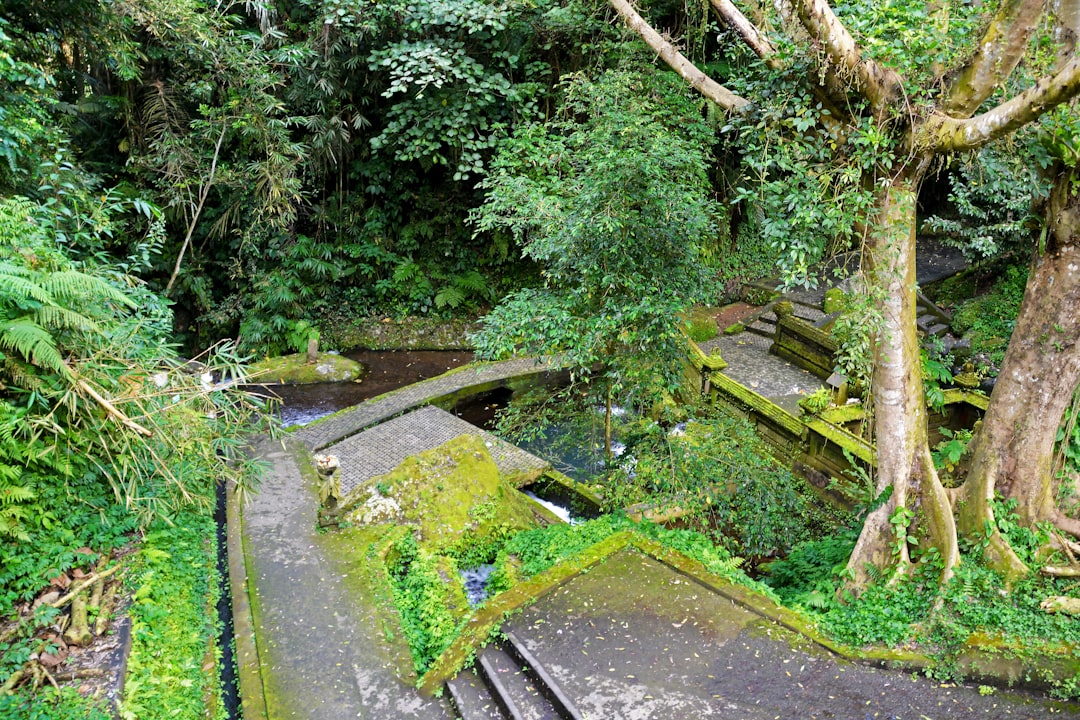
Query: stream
(387,370)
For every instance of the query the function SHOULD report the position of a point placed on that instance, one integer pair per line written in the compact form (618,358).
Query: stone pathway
(322,651)
(634,639)
(751,364)
(378,450)
(322,433)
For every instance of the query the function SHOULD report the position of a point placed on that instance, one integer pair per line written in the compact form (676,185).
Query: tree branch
(996,56)
(677,61)
(941,133)
(878,84)
(203,192)
(738,22)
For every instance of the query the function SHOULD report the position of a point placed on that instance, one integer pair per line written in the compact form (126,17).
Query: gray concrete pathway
(322,433)
(321,643)
(633,639)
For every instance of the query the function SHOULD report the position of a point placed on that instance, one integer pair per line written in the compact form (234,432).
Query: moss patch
(451,494)
(403,334)
(296,370)
(701,324)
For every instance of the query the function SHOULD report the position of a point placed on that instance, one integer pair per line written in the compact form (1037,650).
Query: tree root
(1066,524)
(1058,571)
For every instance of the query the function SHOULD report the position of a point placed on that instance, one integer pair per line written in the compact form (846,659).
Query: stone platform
(380,449)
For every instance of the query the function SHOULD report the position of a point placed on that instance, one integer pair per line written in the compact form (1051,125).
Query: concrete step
(764,329)
(472,698)
(926,320)
(939,329)
(515,689)
(551,689)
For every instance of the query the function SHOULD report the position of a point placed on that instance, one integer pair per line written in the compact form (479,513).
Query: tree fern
(33,343)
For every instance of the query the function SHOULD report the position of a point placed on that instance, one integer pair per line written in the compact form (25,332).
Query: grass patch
(174,628)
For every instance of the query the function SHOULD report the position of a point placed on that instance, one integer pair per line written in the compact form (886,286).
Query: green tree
(589,197)
(910,78)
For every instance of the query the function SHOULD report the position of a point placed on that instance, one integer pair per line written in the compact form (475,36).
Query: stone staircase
(764,324)
(509,684)
(932,320)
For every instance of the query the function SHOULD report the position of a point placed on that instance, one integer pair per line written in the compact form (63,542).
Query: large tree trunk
(1013,453)
(903,455)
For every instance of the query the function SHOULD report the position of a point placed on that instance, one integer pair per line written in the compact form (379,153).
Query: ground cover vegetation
(111,445)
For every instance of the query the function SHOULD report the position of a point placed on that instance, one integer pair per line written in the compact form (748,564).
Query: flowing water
(386,371)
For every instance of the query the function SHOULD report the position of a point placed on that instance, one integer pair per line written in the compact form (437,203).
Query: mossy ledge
(415,333)
(983,659)
(296,370)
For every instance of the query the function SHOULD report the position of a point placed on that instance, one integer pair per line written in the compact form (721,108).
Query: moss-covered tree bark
(1014,452)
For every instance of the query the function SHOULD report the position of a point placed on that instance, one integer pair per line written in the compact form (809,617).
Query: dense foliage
(589,197)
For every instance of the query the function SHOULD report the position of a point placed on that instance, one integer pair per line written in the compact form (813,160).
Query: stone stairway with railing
(932,320)
(508,683)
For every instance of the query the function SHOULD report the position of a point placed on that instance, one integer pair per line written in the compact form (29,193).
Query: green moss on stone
(296,370)
(449,494)
(834,301)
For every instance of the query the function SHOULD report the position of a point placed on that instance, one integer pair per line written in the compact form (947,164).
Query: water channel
(386,371)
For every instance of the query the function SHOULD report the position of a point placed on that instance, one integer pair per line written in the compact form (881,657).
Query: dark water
(230,691)
(475,581)
(302,404)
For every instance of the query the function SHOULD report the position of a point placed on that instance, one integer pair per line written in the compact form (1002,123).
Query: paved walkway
(322,433)
(324,647)
(752,365)
(633,639)
(378,450)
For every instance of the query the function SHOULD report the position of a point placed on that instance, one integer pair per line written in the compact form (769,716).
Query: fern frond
(9,523)
(449,296)
(34,343)
(18,374)
(61,318)
(75,285)
(472,281)
(20,291)
(12,494)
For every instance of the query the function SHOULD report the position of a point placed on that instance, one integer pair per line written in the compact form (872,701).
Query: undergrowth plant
(988,320)
(174,627)
(915,612)
(719,476)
